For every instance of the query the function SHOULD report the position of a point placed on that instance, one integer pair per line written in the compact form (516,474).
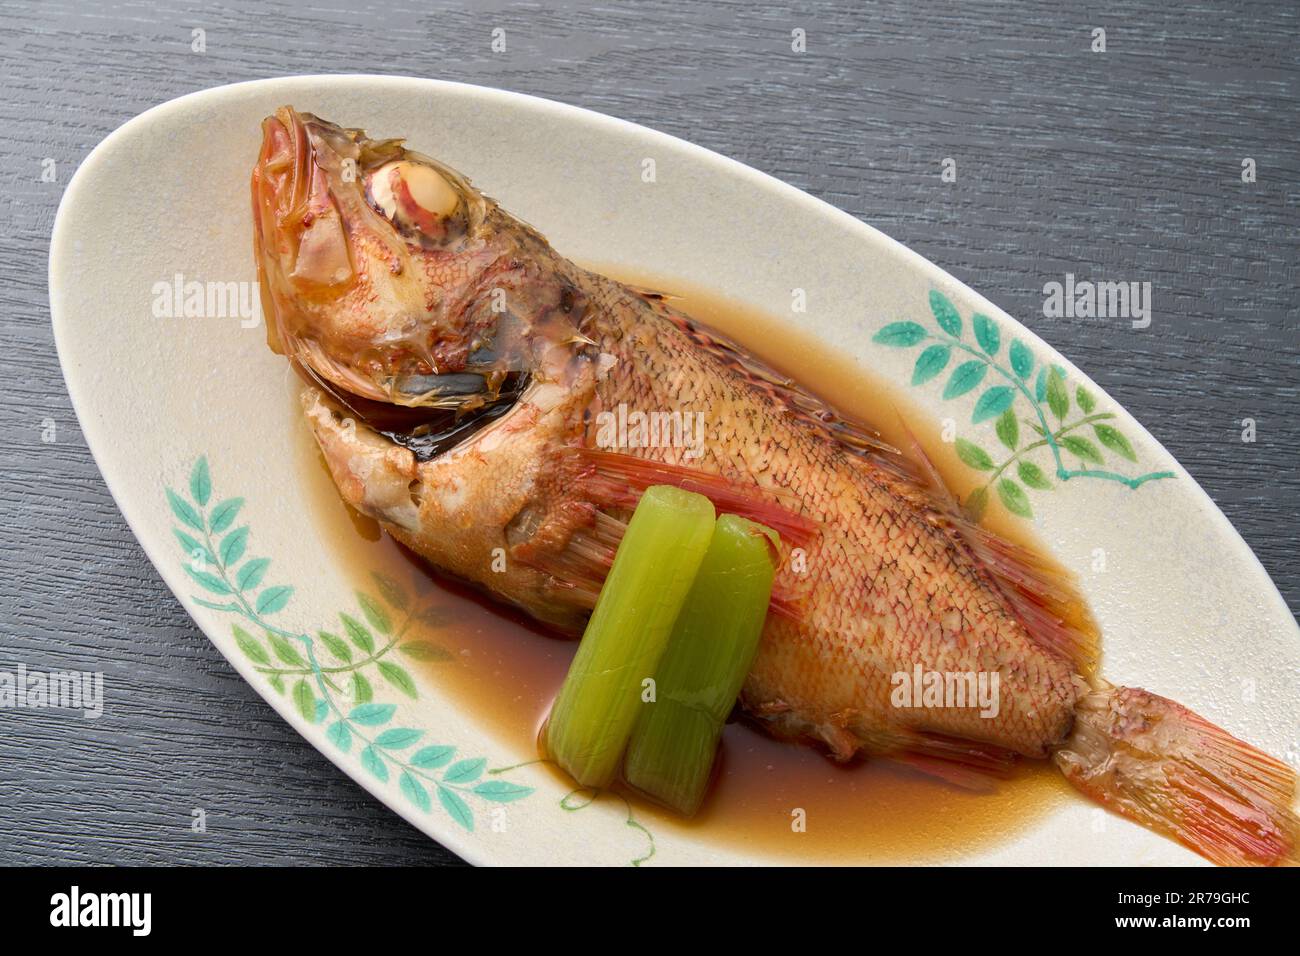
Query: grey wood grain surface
(1118,165)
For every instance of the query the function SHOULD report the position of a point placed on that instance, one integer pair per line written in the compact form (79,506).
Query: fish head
(442,340)
(386,274)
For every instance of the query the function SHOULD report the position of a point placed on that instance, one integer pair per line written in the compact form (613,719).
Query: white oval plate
(1186,609)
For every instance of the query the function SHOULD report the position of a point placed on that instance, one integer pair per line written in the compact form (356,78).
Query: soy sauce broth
(506,670)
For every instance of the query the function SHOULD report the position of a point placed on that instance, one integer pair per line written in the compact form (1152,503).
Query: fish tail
(1159,764)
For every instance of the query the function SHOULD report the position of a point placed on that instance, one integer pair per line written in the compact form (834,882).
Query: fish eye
(414,197)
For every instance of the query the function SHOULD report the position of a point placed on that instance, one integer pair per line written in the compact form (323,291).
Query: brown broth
(506,670)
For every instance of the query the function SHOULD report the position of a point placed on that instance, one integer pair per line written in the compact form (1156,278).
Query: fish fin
(617,480)
(651,295)
(1041,593)
(1043,596)
(1156,762)
(611,480)
(967,764)
(855,437)
(963,778)
(577,548)
(962,762)
(580,564)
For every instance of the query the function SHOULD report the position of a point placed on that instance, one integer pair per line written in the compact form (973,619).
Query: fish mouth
(468,404)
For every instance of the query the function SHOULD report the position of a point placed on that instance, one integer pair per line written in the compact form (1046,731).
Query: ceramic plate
(191,420)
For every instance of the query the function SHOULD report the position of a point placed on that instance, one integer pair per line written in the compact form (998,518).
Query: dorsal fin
(650,295)
(812,412)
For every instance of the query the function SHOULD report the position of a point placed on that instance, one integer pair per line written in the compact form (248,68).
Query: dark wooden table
(1120,165)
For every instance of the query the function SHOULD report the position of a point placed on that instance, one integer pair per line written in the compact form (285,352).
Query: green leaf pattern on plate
(335,693)
(1027,401)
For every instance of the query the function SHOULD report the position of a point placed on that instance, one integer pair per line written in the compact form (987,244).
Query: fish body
(389,290)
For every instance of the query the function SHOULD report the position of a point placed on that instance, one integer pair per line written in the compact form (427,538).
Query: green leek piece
(671,754)
(628,631)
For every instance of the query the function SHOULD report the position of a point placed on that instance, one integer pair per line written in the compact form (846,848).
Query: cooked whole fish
(460,367)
